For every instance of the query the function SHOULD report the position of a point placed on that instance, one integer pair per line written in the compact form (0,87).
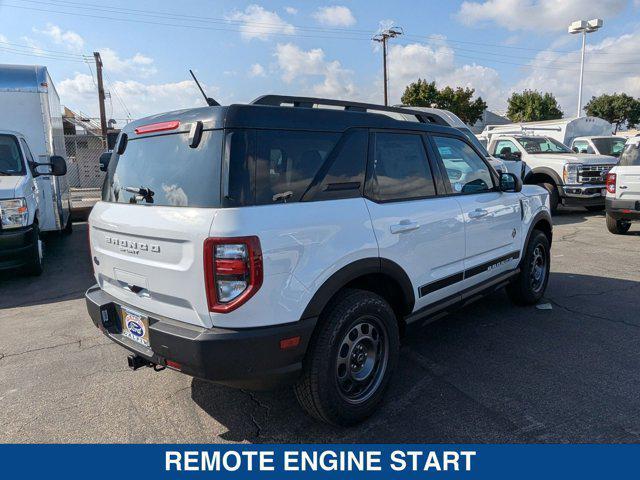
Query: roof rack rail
(309,102)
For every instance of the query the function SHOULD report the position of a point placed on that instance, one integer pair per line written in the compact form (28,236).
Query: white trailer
(563,130)
(34,191)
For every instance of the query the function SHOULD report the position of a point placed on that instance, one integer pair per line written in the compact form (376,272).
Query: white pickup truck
(572,179)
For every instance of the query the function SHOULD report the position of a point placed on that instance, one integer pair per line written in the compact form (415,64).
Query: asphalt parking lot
(491,372)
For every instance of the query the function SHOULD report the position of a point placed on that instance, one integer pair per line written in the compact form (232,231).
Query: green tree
(458,101)
(533,106)
(618,109)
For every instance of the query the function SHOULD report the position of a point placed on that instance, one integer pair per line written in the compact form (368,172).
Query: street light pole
(584,27)
(383,37)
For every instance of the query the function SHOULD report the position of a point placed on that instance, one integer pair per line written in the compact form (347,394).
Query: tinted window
(342,175)
(164,170)
(466,170)
(10,158)
(288,161)
(239,167)
(609,146)
(400,168)
(630,156)
(505,148)
(474,141)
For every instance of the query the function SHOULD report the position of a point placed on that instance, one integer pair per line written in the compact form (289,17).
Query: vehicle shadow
(490,372)
(67,268)
(569,216)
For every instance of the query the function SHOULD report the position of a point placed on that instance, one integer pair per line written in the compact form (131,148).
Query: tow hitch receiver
(135,362)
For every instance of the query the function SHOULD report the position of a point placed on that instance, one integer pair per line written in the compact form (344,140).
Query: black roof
(295,113)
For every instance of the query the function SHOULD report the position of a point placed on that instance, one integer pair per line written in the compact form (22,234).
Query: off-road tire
(554,196)
(617,227)
(524,289)
(320,390)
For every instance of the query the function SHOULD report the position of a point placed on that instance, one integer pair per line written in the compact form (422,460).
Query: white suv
(258,244)
(623,189)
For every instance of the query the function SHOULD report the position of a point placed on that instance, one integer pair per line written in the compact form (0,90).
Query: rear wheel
(350,360)
(554,196)
(530,284)
(617,227)
(36,255)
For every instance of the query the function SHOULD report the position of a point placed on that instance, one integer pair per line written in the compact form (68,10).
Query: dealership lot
(489,373)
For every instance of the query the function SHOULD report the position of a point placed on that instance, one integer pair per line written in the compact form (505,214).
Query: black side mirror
(57,164)
(514,156)
(104,161)
(575,149)
(509,182)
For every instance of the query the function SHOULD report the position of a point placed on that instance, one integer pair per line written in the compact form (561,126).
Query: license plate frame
(135,326)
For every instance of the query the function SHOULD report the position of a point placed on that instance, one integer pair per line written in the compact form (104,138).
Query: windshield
(536,145)
(609,145)
(474,141)
(10,157)
(165,170)
(630,156)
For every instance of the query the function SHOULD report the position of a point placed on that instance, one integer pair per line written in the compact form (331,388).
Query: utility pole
(383,37)
(583,27)
(101,97)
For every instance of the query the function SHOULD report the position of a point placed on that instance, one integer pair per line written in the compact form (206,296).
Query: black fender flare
(544,171)
(353,271)
(542,215)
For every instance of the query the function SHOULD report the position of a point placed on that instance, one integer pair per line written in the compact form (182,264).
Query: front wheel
(351,358)
(554,196)
(617,227)
(35,262)
(530,284)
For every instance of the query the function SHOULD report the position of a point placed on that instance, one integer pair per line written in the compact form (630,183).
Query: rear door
(147,235)
(492,218)
(415,228)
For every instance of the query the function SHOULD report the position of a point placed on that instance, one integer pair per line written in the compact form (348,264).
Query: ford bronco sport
(280,241)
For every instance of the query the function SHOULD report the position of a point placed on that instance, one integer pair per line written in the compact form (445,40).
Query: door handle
(622,187)
(404,226)
(478,213)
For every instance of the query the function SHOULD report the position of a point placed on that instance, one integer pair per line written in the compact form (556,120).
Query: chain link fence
(83,169)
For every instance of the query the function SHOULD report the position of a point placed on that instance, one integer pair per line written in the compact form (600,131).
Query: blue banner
(320,461)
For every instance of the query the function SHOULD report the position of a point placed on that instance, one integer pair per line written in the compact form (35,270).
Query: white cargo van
(34,192)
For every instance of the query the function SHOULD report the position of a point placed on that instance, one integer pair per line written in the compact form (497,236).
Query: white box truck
(34,191)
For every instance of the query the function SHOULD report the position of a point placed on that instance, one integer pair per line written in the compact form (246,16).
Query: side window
(288,161)
(238,168)
(466,171)
(504,148)
(583,147)
(400,169)
(27,152)
(342,175)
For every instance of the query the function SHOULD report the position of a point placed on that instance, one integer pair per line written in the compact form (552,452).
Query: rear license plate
(135,326)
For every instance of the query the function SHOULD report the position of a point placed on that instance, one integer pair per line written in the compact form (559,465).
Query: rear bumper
(16,247)
(246,358)
(582,195)
(623,209)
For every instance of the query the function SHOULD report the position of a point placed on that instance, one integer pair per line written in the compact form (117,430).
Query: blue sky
(241,50)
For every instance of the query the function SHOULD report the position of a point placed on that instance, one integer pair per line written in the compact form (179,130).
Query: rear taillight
(233,271)
(611,182)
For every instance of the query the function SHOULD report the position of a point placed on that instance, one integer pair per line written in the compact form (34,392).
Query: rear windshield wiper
(146,193)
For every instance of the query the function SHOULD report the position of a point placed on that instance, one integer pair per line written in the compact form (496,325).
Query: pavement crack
(50,347)
(258,404)
(592,315)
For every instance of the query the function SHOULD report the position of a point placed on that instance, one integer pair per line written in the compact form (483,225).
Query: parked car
(563,130)
(608,145)
(623,189)
(260,244)
(445,117)
(34,192)
(572,179)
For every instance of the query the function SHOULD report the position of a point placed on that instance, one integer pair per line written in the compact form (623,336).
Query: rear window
(10,158)
(165,170)
(630,156)
(610,145)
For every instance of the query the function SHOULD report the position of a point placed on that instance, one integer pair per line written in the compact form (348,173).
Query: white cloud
(536,14)
(139,64)
(257,70)
(79,93)
(436,63)
(71,40)
(294,11)
(335,16)
(296,63)
(256,22)
(605,71)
